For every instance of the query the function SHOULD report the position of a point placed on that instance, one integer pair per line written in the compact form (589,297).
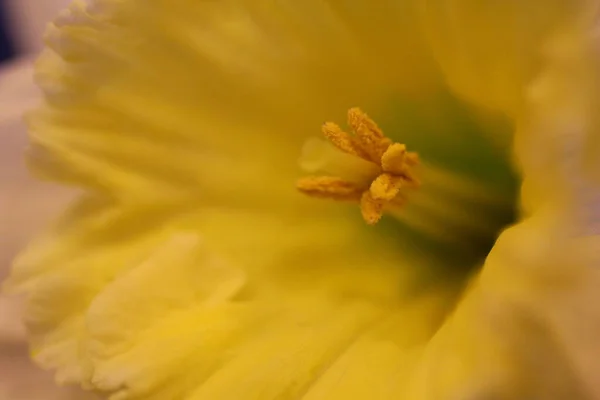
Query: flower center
(377,182)
(467,189)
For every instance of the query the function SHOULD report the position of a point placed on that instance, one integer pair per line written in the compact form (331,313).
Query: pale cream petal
(178,352)
(572,315)
(556,137)
(51,273)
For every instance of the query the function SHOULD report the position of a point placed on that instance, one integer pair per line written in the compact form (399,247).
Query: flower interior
(435,176)
(192,268)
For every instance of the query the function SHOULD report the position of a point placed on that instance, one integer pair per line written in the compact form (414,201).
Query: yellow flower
(193,268)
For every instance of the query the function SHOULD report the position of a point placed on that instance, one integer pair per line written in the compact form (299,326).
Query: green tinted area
(445,132)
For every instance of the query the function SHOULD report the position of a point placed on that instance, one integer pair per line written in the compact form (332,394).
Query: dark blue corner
(7,48)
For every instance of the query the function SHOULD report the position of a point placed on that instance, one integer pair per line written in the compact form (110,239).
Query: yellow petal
(143,110)
(379,365)
(112,294)
(489,50)
(517,333)
(193,271)
(281,362)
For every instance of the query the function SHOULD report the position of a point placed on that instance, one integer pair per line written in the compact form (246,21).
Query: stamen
(386,187)
(389,168)
(368,133)
(329,187)
(371,209)
(394,159)
(342,140)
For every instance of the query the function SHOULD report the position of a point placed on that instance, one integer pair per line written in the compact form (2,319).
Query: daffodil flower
(319,199)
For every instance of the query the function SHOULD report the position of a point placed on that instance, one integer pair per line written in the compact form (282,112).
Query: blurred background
(22,24)
(25,205)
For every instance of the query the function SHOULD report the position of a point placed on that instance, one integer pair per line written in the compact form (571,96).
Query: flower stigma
(381,169)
